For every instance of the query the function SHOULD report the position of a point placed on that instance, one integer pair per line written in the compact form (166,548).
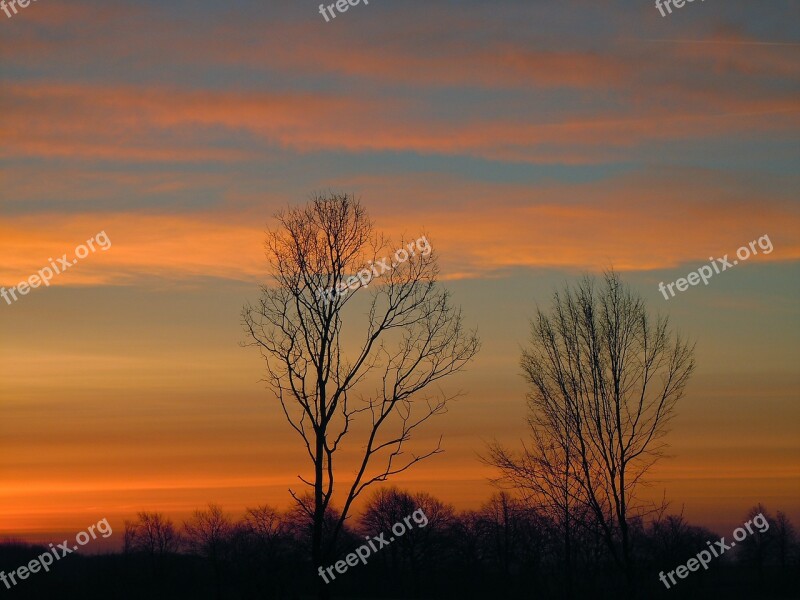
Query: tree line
(504,549)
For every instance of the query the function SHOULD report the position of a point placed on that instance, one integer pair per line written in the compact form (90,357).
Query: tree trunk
(567,555)
(317,554)
(627,559)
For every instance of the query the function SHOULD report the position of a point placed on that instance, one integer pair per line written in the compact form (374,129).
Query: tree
(421,547)
(264,554)
(152,534)
(208,534)
(129,538)
(263,525)
(785,539)
(412,337)
(299,523)
(545,473)
(668,539)
(604,381)
(513,533)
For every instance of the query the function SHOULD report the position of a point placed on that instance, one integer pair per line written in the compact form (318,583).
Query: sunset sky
(531,142)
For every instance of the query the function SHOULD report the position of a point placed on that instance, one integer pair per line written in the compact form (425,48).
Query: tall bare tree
(412,337)
(604,380)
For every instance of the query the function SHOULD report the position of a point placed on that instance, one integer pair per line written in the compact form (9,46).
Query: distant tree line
(505,549)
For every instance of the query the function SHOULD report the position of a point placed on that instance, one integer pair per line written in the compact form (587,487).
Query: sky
(532,142)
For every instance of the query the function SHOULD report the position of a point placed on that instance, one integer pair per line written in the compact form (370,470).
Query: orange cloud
(632,222)
(128,123)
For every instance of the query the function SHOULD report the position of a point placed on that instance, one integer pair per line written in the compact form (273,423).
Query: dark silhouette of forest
(502,550)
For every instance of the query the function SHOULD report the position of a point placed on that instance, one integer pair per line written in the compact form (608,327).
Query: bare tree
(669,538)
(152,534)
(129,538)
(208,534)
(412,337)
(785,539)
(264,525)
(299,523)
(421,546)
(604,378)
(515,532)
(544,471)
(389,506)
(263,552)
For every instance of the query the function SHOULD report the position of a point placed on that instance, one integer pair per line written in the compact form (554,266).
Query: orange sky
(603,136)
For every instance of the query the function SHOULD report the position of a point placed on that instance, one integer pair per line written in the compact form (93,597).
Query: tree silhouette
(604,380)
(785,539)
(208,534)
(545,472)
(154,535)
(264,527)
(420,547)
(413,337)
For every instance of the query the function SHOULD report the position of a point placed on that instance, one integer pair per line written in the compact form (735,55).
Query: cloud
(648,220)
(92,122)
